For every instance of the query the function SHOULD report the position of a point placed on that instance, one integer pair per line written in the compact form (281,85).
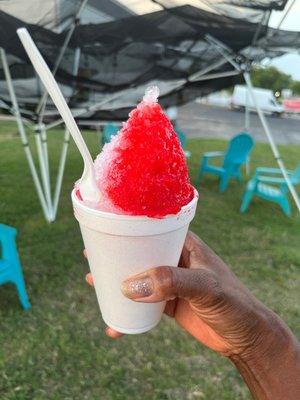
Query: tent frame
(43,190)
(244,66)
(40,132)
(65,146)
(49,206)
(16,112)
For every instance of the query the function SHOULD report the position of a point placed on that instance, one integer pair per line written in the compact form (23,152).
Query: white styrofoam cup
(122,245)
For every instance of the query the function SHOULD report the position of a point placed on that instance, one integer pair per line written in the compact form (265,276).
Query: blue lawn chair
(10,267)
(109,131)
(266,185)
(236,154)
(182,139)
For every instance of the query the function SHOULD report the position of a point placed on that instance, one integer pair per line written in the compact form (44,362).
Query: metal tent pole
(60,173)
(41,132)
(217,75)
(285,14)
(64,151)
(42,104)
(83,111)
(43,167)
(271,140)
(45,149)
(222,49)
(98,105)
(23,136)
(247,126)
(247,112)
(195,76)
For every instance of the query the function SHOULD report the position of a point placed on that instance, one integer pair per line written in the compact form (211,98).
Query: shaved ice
(143,170)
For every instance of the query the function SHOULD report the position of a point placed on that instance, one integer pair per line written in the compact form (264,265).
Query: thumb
(166,283)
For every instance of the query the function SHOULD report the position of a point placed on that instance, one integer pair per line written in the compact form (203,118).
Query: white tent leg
(247,113)
(23,136)
(247,126)
(64,151)
(43,170)
(271,140)
(247,165)
(43,133)
(60,174)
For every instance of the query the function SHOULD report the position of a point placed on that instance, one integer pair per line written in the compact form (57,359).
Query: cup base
(131,331)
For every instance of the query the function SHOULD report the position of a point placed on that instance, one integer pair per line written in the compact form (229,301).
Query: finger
(167,283)
(85,253)
(170,308)
(191,252)
(89,279)
(112,333)
(197,253)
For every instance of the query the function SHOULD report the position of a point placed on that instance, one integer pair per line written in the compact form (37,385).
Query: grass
(58,350)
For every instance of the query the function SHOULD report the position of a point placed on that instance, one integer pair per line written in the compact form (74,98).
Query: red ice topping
(148,173)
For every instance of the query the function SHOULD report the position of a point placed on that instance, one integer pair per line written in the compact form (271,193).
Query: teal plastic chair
(109,131)
(266,185)
(234,157)
(10,267)
(182,139)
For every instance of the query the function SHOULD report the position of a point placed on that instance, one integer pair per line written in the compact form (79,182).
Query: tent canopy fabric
(247,10)
(58,15)
(128,52)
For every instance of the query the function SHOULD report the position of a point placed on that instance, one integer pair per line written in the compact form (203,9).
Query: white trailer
(242,99)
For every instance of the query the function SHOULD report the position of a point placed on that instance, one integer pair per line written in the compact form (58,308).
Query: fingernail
(89,279)
(137,288)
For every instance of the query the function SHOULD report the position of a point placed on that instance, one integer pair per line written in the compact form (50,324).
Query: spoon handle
(87,183)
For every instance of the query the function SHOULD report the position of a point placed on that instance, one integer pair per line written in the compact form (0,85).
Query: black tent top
(257,4)
(167,47)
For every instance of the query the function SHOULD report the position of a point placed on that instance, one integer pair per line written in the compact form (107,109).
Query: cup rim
(105,214)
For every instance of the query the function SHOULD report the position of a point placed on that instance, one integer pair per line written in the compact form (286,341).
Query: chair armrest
(211,154)
(270,179)
(265,170)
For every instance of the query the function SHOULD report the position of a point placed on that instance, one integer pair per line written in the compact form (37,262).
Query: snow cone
(143,214)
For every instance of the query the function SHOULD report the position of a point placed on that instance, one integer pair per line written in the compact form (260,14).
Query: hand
(204,297)
(209,302)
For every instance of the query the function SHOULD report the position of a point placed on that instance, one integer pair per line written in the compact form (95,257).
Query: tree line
(272,78)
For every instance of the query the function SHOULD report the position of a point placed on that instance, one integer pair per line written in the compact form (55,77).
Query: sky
(289,63)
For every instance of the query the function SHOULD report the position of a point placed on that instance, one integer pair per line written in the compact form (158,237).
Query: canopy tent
(188,51)
(130,53)
(134,49)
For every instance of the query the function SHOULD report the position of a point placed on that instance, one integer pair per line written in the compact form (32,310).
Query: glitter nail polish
(137,288)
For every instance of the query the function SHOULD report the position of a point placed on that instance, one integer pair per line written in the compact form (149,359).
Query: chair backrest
(7,237)
(181,137)
(296,175)
(109,131)
(238,149)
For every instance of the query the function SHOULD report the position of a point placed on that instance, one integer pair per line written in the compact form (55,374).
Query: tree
(296,87)
(271,78)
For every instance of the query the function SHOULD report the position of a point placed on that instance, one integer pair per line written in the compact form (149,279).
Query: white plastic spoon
(87,183)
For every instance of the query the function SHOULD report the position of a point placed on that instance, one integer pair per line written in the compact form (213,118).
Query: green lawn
(58,349)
